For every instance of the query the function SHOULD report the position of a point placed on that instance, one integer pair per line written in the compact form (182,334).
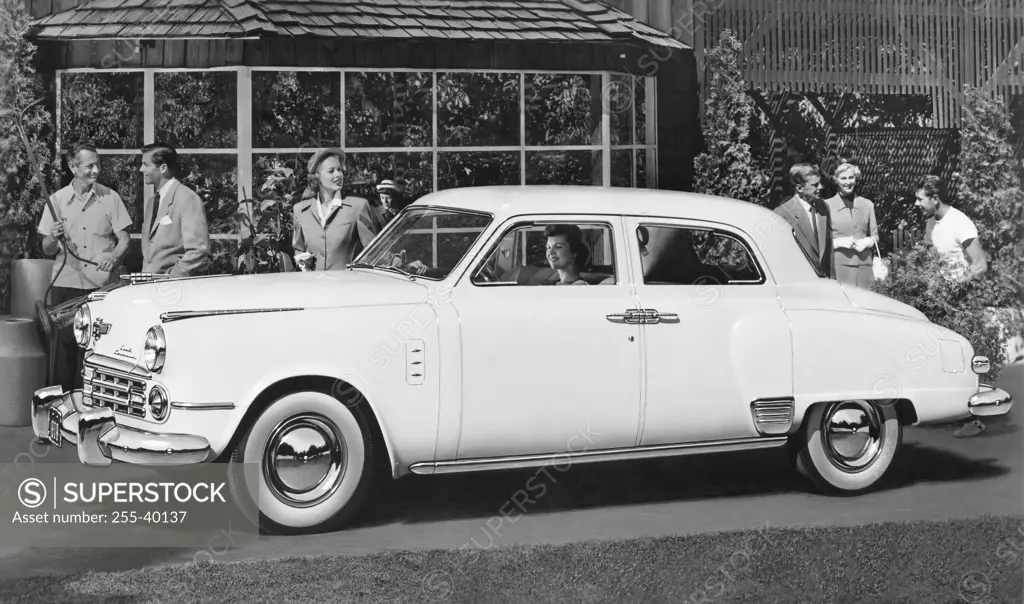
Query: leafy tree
(987,186)
(21,199)
(728,168)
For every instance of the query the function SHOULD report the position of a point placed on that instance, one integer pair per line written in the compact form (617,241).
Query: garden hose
(48,317)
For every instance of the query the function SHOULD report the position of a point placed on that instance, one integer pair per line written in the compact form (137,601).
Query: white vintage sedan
(509,327)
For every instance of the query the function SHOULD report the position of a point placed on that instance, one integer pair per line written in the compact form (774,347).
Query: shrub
(21,200)
(727,167)
(915,278)
(987,188)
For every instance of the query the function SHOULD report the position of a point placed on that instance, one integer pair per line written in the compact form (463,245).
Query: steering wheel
(486,274)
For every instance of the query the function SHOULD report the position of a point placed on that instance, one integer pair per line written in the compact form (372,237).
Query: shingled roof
(463,20)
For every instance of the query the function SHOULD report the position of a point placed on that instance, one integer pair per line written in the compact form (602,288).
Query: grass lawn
(978,561)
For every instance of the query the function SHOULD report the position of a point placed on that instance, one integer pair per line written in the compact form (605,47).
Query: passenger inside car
(540,255)
(566,253)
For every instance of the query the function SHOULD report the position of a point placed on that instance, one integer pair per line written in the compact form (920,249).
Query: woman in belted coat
(330,230)
(854,229)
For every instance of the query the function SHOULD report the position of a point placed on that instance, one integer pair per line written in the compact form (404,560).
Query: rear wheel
(848,446)
(306,460)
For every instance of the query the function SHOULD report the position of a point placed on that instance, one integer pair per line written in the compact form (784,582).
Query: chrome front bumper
(990,400)
(59,417)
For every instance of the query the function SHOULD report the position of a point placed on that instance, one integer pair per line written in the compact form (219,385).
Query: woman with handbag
(854,230)
(329,228)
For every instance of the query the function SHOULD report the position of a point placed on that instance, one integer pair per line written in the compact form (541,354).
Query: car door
(547,368)
(715,336)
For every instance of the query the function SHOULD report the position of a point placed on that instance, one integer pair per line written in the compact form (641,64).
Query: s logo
(32,492)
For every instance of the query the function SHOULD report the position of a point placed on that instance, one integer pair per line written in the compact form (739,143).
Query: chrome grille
(104,387)
(772,416)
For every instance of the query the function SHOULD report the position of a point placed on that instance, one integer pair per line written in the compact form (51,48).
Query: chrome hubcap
(853,434)
(304,460)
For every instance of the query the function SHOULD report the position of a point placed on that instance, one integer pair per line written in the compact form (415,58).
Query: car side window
(539,254)
(676,255)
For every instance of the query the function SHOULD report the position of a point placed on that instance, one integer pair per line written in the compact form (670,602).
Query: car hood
(129,311)
(875,302)
(321,289)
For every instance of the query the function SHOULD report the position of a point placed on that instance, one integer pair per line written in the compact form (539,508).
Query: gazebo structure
(439,93)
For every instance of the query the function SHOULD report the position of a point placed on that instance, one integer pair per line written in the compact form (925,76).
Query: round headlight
(155,350)
(158,404)
(83,326)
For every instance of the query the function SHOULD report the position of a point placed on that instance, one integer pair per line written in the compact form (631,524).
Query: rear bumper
(59,417)
(989,401)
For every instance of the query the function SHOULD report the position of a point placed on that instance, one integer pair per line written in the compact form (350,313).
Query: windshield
(426,241)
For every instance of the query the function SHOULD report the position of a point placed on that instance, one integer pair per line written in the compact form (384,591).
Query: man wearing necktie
(810,218)
(175,236)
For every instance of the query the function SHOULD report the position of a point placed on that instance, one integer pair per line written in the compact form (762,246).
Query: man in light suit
(810,218)
(175,236)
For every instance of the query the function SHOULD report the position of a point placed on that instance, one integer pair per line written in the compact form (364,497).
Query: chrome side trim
(178,315)
(202,406)
(773,416)
(648,452)
(117,365)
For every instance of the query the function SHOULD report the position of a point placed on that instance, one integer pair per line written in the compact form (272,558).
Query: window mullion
(522,128)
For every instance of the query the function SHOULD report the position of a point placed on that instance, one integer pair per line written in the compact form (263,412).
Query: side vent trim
(772,416)
(415,368)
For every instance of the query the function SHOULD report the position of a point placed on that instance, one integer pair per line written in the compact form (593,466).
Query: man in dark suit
(809,216)
(175,236)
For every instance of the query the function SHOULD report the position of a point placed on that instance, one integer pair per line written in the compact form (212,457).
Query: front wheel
(848,446)
(313,454)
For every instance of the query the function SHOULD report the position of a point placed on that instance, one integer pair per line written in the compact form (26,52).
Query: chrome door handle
(632,315)
(653,316)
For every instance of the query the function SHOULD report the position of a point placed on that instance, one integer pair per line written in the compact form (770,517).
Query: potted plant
(265,222)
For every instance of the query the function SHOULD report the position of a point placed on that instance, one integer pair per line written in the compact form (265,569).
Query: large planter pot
(29,280)
(23,369)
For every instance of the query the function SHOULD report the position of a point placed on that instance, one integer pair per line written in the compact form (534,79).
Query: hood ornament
(99,328)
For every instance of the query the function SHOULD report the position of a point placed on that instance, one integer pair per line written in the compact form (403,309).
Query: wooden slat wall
(928,47)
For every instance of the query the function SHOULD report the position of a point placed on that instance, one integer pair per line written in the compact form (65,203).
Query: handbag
(879,269)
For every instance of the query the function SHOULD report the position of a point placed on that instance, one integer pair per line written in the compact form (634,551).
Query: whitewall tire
(848,446)
(314,459)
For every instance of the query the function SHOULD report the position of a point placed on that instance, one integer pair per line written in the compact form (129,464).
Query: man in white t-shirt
(955,237)
(951,233)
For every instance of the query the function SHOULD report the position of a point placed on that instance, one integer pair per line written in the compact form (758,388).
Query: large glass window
(427,129)
(193,110)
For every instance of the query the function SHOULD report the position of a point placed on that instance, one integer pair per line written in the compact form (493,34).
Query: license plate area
(55,420)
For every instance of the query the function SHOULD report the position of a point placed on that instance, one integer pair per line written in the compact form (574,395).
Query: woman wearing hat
(390,200)
(330,230)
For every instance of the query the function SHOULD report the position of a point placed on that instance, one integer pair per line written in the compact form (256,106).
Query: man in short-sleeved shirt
(948,235)
(951,233)
(95,223)
(955,238)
